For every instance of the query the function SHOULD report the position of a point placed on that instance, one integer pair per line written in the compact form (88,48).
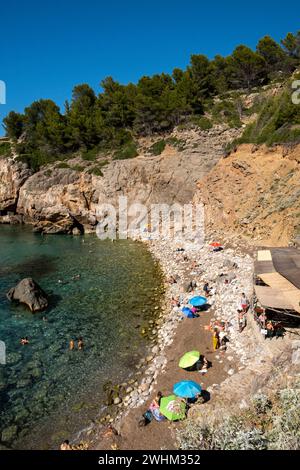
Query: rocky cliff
(254,193)
(57,199)
(12,176)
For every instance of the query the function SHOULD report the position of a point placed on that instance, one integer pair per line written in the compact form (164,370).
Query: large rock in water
(29,292)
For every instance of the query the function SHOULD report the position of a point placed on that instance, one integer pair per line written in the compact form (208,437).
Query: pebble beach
(229,272)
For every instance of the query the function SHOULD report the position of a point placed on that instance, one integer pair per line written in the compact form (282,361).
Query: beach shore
(229,272)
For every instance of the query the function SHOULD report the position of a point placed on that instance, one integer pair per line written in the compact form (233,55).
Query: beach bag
(148,416)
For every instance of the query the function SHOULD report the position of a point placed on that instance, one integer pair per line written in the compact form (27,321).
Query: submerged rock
(9,434)
(28,292)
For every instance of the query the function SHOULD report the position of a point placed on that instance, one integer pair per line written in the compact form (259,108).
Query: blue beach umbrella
(187,312)
(198,301)
(187,389)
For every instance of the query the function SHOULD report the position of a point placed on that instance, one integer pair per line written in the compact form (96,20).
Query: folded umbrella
(173,408)
(187,389)
(189,359)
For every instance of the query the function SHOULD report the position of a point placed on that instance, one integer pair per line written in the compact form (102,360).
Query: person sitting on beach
(65,445)
(270,329)
(204,366)
(24,341)
(154,407)
(206,288)
(262,318)
(194,311)
(80,344)
(241,320)
(175,302)
(223,340)
(152,411)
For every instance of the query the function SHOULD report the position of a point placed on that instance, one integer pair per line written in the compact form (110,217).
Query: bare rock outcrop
(28,292)
(59,200)
(13,174)
(254,193)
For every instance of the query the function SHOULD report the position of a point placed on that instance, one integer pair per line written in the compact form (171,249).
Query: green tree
(246,68)
(80,116)
(274,56)
(14,125)
(291,44)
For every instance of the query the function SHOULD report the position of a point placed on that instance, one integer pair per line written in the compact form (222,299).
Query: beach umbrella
(187,312)
(187,389)
(198,301)
(215,244)
(189,359)
(172,407)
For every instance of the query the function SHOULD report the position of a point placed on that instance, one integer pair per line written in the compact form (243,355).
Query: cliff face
(59,199)
(12,176)
(254,193)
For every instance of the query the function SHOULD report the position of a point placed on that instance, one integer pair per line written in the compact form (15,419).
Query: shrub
(90,155)
(5,148)
(77,168)
(63,165)
(271,422)
(203,122)
(95,171)
(158,147)
(125,152)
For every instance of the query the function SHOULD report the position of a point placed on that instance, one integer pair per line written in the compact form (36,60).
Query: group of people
(80,344)
(153,411)
(269,328)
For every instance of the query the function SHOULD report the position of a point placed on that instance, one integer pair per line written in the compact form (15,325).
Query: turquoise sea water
(102,291)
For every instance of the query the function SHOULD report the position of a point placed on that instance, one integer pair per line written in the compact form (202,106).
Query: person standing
(244,303)
(216,340)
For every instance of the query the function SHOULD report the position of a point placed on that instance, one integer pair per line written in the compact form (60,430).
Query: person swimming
(71,345)
(24,341)
(65,445)
(80,343)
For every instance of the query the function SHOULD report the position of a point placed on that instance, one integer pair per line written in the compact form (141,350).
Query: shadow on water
(35,267)
(54,301)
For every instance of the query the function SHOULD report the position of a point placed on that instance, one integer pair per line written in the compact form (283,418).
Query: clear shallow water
(46,391)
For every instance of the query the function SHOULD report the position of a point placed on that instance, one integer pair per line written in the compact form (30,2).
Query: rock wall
(12,176)
(254,193)
(59,199)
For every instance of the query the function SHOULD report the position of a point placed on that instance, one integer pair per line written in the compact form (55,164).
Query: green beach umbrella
(189,359)
(172,407)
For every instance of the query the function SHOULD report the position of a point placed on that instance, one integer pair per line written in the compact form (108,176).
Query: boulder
(30,293)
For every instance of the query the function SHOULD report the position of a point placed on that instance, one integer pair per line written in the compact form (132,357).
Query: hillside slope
(254,193)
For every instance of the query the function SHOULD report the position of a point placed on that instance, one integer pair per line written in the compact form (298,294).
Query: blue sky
(47,47)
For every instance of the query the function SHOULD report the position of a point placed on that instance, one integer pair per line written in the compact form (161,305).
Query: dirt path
(190,335)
